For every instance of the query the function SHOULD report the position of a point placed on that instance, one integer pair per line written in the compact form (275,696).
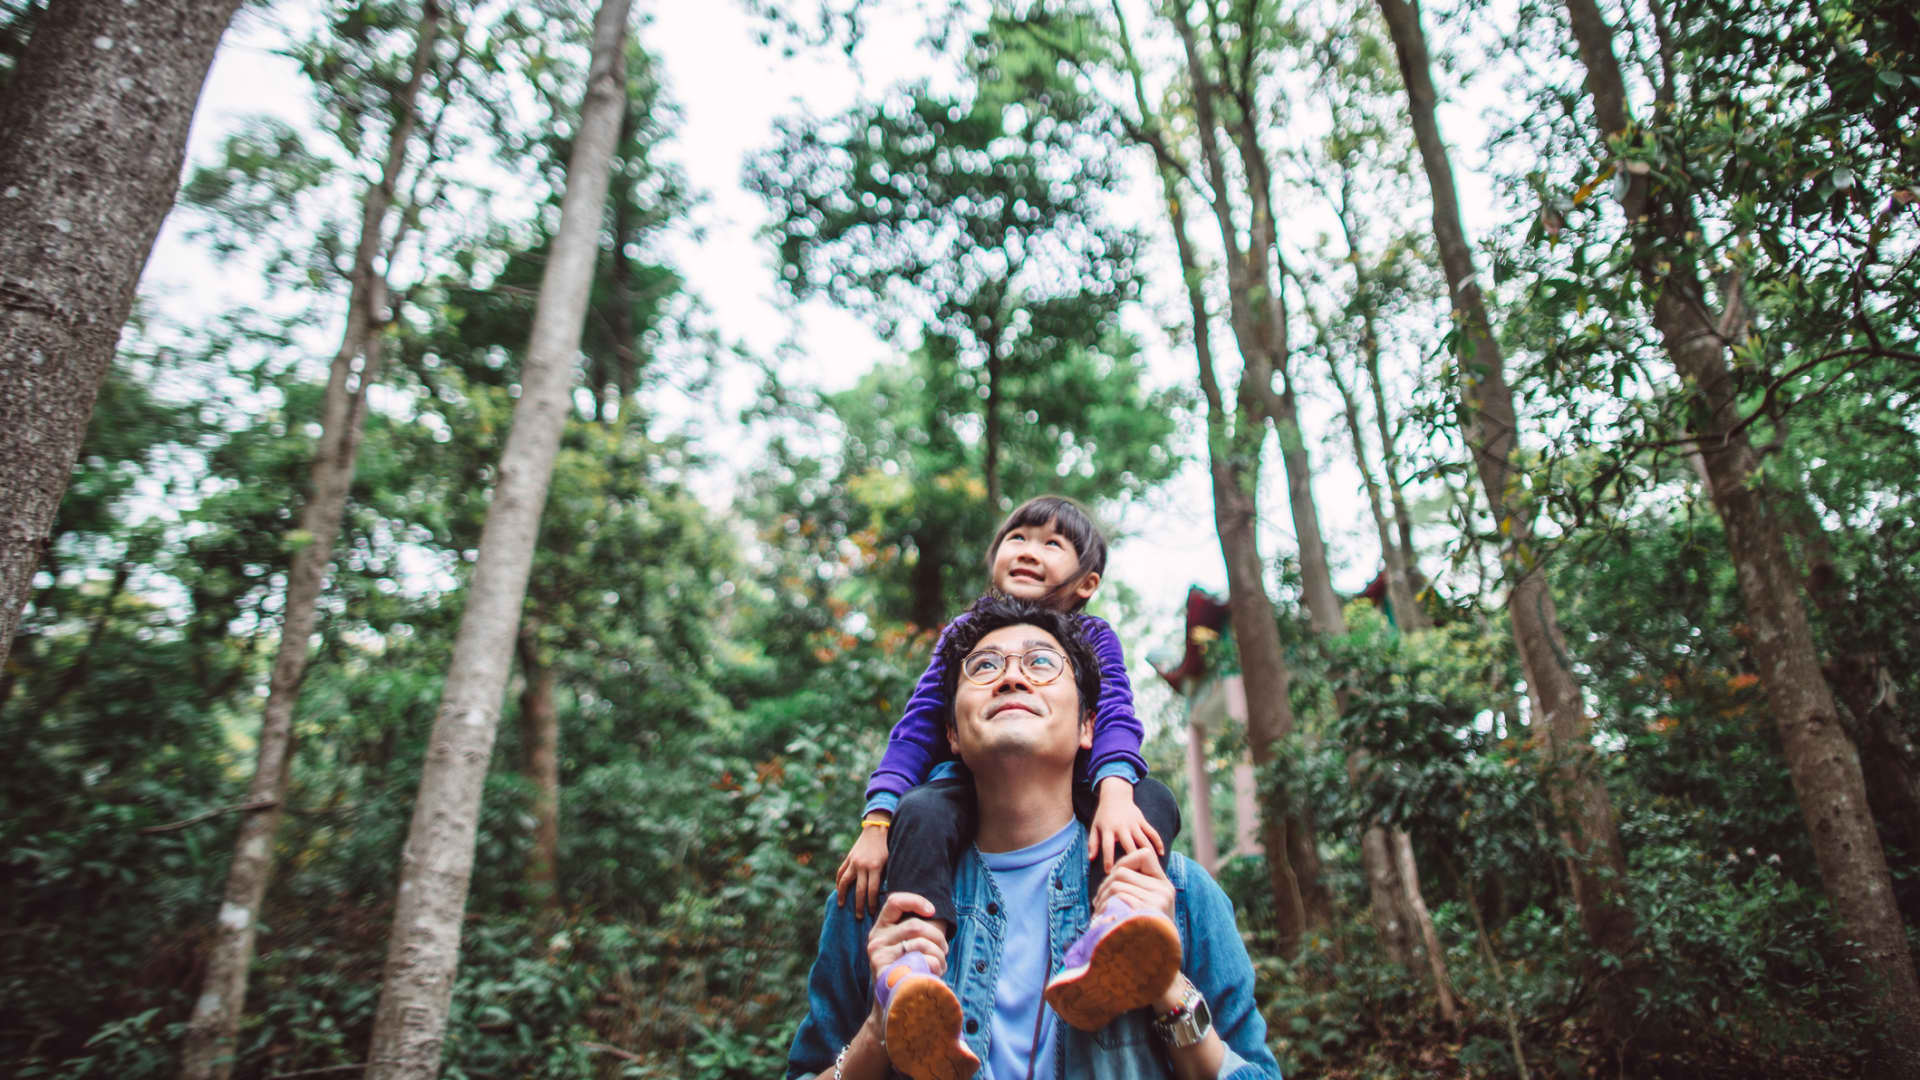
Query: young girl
(919,816)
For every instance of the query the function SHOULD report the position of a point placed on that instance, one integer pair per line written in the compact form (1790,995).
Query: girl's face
(1033,560)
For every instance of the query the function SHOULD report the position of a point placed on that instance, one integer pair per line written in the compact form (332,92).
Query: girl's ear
(1084,589)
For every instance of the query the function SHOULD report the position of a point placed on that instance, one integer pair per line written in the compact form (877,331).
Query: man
(1019,735)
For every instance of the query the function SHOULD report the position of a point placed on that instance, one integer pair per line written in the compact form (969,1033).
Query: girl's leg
(932,826)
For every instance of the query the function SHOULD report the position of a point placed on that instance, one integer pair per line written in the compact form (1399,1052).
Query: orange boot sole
(1131,967)
(923,1032)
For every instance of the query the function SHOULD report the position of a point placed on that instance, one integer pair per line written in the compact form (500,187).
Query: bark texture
(1823,761)
(214,1026)
(423,950)
(93,131)
(1587,822)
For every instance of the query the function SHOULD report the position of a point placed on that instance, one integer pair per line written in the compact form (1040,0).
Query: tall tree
(424,946)
(1695,332)
(1234,436)
(1599,862)
(93,130)
(215,1024)
(972,217)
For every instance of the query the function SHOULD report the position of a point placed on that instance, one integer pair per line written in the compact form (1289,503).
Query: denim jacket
(839,989)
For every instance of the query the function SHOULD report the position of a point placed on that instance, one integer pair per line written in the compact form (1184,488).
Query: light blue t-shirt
(1025,960)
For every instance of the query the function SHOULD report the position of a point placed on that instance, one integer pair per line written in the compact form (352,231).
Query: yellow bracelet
(875,823)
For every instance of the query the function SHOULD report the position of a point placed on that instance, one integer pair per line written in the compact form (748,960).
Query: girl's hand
(1118,821)
(860,872)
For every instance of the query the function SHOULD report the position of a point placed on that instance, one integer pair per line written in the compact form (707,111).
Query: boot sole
(923,1032)
(1131,967)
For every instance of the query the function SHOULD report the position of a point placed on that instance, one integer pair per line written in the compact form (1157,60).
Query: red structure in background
(1203,612)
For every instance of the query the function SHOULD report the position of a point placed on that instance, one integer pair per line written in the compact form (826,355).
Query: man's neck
(1019,809)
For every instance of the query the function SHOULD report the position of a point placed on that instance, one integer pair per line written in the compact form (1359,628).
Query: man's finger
(904,905)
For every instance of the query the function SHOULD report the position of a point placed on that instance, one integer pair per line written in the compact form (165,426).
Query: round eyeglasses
(1040,665)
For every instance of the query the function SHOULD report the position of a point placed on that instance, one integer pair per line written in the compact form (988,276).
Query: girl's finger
(1153,834)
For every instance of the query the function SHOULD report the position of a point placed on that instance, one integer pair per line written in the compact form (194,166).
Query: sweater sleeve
(1116,730)
(919,740)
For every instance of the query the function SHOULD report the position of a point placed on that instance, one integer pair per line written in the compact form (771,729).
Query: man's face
(1012,714)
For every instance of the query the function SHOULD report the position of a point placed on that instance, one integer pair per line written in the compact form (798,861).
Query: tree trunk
(1823,761)
(1423,920)
(423,951)
(1258,321)
(1406,612)
(93,130)
(214,1027)
(1600,865)
(540,737)
(1235,471)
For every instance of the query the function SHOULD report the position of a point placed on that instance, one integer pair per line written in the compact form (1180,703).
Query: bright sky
(730,90)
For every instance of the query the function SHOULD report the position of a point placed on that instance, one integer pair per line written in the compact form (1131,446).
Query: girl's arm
(1117,732)
(918,741)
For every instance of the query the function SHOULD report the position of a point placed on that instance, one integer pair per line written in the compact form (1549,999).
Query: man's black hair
(1070,520)
(993,612)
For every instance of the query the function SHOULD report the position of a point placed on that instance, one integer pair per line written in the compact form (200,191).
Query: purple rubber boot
(920,1021)
(1125,960)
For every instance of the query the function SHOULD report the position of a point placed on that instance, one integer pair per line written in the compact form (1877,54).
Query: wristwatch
(1188,1023)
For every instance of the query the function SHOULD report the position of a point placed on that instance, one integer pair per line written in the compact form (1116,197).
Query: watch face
(1202,1015)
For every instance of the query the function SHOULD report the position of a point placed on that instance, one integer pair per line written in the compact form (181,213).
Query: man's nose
(1013,679)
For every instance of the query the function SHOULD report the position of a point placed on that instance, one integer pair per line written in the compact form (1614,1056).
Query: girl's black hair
(1070,520)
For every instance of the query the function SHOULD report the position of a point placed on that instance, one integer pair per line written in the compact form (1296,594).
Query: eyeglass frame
(1019,660)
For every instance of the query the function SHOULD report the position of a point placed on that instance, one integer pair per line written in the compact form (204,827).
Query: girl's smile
(1033,561)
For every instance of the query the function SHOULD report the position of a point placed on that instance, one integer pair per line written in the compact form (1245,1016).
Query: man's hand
(1117,821)
(905,926)
(1140,880)
(860,871)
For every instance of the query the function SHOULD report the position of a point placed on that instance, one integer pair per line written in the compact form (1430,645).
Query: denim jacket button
(980,966)
(972,1026)
(993,909)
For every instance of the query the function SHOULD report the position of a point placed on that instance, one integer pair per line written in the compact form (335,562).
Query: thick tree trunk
(93,130)
(1600,865)
(1235,471)
(215,1024)
(1233,454)
(540,738)
(1258,320)
(423,951)
(1824,764)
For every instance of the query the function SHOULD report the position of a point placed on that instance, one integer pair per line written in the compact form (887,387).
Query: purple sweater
(919,740)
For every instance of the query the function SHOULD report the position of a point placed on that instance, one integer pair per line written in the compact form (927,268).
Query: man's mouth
(1008,706)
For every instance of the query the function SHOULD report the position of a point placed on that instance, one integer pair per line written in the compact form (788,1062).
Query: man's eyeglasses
(1039,665)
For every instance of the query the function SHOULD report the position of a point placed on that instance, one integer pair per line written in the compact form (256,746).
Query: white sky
(730,90)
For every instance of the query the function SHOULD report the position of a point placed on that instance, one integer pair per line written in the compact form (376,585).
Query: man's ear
(1086,731)
(1084,588)
(953,740)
